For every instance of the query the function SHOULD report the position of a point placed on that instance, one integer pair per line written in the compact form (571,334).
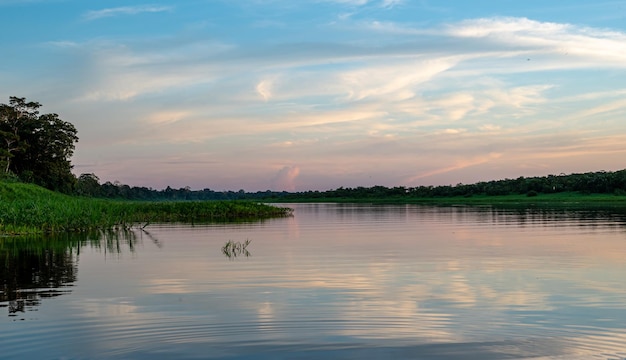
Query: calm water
(333,281)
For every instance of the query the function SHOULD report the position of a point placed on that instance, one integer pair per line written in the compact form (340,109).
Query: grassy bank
(556,199)
(26,208)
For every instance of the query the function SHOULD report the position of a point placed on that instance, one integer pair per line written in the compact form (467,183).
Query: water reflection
(346,281)
(500,213)
(36,267)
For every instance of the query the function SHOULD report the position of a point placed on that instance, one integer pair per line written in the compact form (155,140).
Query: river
(341,281)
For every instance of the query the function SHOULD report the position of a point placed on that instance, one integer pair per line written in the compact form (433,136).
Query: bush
(531,193)
(9,177)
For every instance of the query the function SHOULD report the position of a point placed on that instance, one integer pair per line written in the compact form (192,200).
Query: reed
(26,208)
(233,249)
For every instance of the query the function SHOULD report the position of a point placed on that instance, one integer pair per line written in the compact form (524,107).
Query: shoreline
(30,209)
(555,199)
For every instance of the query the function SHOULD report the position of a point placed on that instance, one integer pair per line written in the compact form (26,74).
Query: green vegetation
(27,208)
(599,186)
(89,185)
(565,198)
(601,182)
(36,148)
(233,249)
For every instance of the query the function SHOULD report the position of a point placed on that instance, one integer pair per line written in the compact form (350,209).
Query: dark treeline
(89,185)
(601,182)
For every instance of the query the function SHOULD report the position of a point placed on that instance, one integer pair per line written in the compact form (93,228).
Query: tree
(35,147)
(12,117)
(88,185)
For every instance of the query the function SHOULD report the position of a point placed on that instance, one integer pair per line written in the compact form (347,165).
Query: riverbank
(27,209)
(556,199)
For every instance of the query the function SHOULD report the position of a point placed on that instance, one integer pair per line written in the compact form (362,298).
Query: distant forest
(88,185)
(601,182)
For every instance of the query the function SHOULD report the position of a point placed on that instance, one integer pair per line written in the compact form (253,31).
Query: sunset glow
(318,94)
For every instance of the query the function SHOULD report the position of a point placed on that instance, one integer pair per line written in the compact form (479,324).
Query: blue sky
(318,94)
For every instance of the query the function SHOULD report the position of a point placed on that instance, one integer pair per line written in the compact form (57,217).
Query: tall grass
(26,208)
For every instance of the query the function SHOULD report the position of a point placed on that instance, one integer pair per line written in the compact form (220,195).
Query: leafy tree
(12,117)
(88,185)
(36,147)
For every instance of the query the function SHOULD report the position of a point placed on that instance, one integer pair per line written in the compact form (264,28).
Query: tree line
(89,185)
(600,182)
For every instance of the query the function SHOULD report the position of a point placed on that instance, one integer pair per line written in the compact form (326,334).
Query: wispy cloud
(391,3)
(460,164)
(349,2)
(19,2)
(124,10)
(382,3)
(551,38)
(387,102)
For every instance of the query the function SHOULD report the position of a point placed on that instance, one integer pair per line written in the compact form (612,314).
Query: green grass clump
(26,208)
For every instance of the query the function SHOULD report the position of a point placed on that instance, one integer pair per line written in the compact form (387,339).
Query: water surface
(333,281)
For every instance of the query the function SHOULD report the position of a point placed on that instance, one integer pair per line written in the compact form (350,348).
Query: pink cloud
(286,178)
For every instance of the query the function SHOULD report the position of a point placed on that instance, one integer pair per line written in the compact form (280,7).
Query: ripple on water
(347,281)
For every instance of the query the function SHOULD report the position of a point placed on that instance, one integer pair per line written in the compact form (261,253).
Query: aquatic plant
(234,249)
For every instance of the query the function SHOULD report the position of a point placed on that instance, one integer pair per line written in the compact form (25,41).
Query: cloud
(460,164)
(167,117)
(349,2)
(124,10)
(392,81)
(486,27)
(286,178)
(547,37)
(386,102)
(346,70)
(13,2)
(391,3)
(387,4)
(264,88)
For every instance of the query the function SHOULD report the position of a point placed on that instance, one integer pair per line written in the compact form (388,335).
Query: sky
(317,94)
